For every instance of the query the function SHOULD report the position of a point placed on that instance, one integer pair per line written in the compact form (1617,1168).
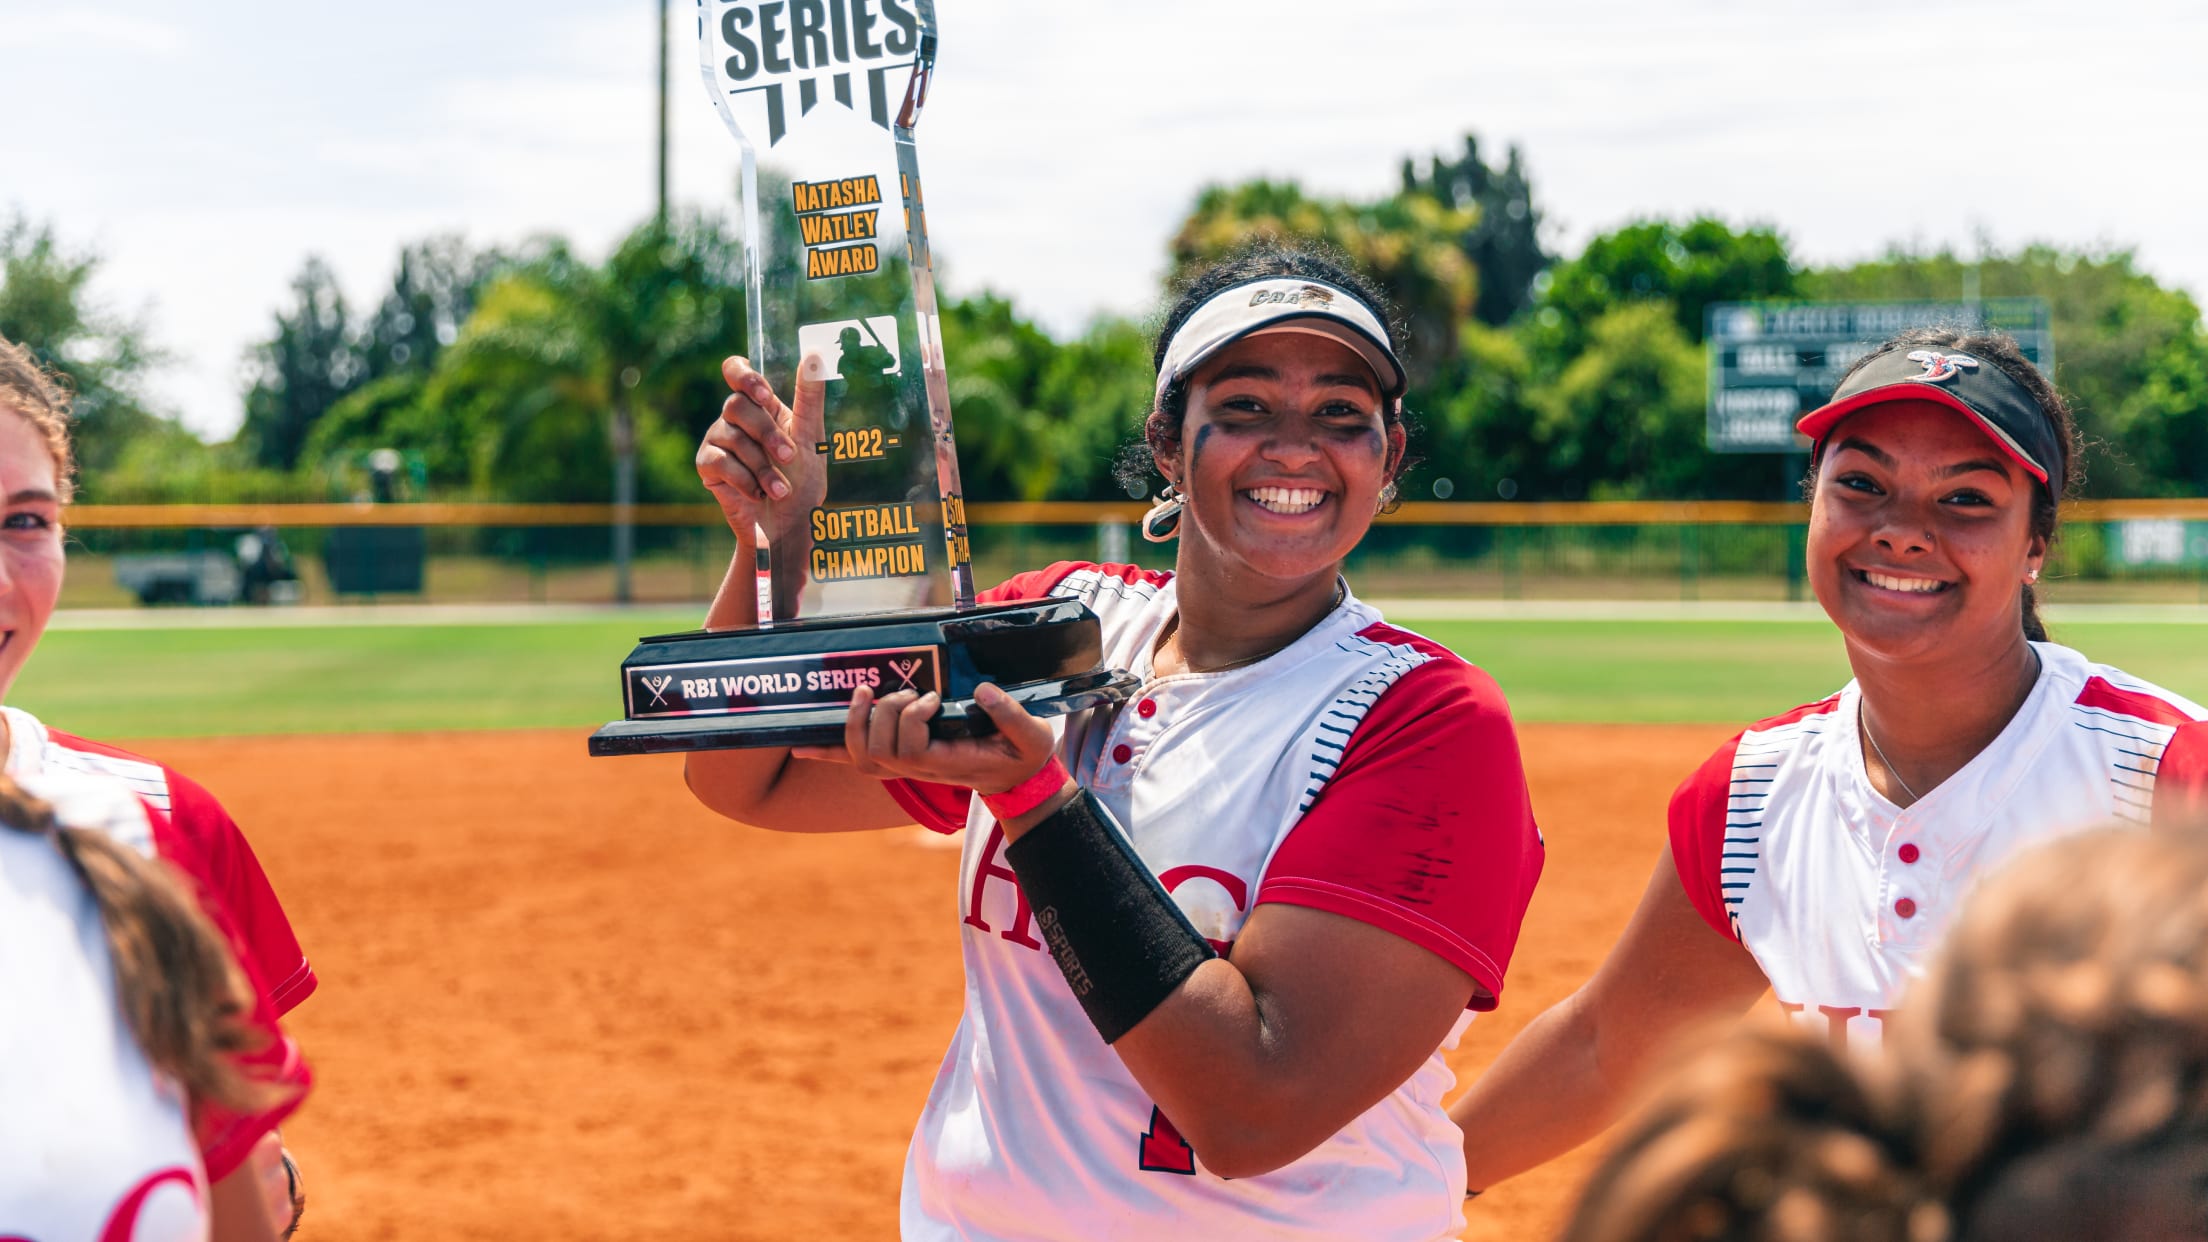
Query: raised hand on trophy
(757,458)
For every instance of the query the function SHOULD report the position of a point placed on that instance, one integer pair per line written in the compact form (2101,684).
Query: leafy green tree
(582,381)
(1504,241)
(1475,425)
(1410,243)
(1687,265)
(1099,389)
(1624,419)
(433,291)
(996,361)
(46,306)
(1036,419)
(311,362)
(2130,354)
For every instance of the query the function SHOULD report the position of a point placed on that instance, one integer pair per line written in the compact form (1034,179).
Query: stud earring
(2032,576)
(1163,522)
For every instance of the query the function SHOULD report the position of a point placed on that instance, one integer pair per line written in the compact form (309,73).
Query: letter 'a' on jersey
(1784,845)
(1362,770)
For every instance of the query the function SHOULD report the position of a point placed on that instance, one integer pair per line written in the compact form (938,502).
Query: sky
(205,150)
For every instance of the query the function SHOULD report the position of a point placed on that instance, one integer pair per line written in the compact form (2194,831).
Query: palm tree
(636,341)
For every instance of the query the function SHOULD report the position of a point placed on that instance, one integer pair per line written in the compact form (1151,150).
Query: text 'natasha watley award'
(866,577)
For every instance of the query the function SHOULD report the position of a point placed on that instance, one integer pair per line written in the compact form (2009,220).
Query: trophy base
(791,684)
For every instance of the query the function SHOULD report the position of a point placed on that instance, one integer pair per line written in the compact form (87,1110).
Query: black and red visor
(1978,390)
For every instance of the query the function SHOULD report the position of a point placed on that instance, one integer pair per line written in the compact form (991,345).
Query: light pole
(624,418)
(662,114)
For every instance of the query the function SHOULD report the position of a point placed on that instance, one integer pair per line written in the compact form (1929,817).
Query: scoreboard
(1772,362)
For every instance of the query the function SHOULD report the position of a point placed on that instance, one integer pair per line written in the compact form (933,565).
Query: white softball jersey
(1784,845)
(94,1143)
(1362,770)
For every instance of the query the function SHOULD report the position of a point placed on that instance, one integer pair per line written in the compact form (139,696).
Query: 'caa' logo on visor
(1310,297)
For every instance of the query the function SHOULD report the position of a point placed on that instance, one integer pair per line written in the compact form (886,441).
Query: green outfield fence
(1708,550)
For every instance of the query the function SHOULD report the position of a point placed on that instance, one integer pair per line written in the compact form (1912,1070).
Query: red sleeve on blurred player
(1425,829)
(225,1138)
(2181,780)
(1698,835)
(270,949)
(943,808)
(235,874)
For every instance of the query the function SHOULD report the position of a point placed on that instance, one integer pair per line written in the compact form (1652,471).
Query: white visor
(1281,304)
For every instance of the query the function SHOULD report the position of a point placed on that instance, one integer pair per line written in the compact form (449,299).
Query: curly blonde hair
(42,398)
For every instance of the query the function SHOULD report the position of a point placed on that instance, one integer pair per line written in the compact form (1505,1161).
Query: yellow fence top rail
(1024,513)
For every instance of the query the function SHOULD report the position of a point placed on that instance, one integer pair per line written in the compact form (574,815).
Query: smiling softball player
(1217,939)
(1820,853)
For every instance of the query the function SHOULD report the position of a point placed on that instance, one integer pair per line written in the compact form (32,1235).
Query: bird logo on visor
(1938,367)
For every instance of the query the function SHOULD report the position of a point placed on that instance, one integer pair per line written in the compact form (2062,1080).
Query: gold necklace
(1173,628)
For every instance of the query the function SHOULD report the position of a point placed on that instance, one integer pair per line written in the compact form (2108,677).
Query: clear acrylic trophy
(859,565)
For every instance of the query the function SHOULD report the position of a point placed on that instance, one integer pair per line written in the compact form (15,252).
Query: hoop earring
(1163,523)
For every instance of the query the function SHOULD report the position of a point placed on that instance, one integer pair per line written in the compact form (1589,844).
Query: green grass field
(217,682)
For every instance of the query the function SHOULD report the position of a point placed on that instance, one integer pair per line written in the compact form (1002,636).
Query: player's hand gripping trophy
(852,490)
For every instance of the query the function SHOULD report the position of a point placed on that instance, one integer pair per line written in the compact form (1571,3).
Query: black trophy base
(791,684)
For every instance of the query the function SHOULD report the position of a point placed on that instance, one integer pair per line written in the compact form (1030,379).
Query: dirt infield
(561,1001)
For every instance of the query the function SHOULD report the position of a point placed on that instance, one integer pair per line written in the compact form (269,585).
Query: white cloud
(44,29)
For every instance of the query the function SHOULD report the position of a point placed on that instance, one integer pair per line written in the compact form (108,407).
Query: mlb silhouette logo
(872,340)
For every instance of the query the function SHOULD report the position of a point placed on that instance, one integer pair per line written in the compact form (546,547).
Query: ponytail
(2035,630)
(186,1000)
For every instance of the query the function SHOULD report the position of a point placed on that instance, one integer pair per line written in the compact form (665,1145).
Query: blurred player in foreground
(2047,1082)
(37,477)
(1276,879)
(141,1067)
(1821,853)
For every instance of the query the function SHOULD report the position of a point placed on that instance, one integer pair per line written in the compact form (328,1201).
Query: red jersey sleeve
(270,947)
(226,1137)
(1697,823)
(2181,780)
(1426,829)
(229,870)
(943,808)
